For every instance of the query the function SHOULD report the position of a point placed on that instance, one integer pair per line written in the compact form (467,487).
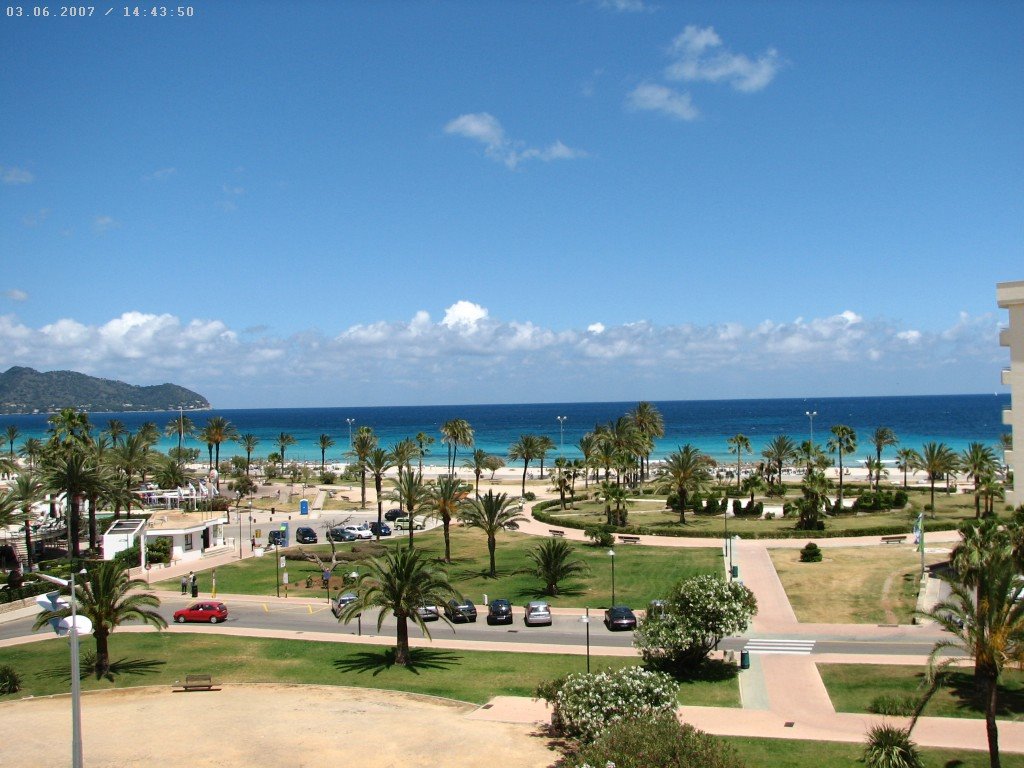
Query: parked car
(393,514)
(339,603)
(277,538)
(460,610)
(428,612)
(305,535)
(499,611)
(359,532)
(537,612)
(385,529)
(512,526)
(340,534)
(205,611)
(619,617)
(403,523)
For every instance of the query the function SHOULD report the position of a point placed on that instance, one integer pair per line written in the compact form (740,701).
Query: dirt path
(270,725)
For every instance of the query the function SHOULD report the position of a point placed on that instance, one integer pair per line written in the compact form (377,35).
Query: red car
(211,612)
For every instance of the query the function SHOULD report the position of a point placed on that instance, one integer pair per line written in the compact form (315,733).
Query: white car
(402,524)
(537,613)
(359,531)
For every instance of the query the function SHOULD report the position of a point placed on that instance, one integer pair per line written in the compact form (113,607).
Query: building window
(188,541)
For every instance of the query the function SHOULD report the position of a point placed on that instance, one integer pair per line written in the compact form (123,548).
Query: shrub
(601,535)
(899,499)
(586,705)
(891,747)
(660,741)
(328,478)
(810,553)
(10,680)
(893,706)
(737,507)
(529,496)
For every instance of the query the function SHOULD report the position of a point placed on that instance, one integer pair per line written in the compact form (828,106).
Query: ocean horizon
(916,419)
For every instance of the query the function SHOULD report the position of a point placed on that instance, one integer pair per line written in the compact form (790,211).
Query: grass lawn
(641,573)
(867,585)
(784,753)
(474,676)
(852,687)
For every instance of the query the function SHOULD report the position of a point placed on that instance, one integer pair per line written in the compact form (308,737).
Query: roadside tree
(491,513)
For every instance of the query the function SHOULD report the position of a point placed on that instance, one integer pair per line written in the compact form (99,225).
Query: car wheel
(213,619)
(180,619)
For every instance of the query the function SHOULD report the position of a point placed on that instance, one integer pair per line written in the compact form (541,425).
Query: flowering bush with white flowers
(586,704)
(701,611)
(656,742)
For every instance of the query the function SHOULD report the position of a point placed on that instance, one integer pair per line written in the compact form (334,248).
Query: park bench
(198,683)
(629,539)
(556,532)
(898,539)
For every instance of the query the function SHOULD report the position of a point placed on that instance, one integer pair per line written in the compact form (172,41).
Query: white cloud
(12,175)
(651,97)
(700,56)
(161,174)
(485,129)
(37,218)
(103,224)
(624,6)
(15,294)
(470,354)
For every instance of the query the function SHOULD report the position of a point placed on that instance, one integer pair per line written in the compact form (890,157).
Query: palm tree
(988,623)
(283,441)
(364,442)
(490,513)
(25,491)
(525,449)
(411,492)
(219,430)
(613,493)
(109,598)
(69,427)
(77,474)
(738,443)
(249,442)
(403,452)
(478,463)
(882,437)
(544,444)
(907,459)
(454,433)
(204,435)
(778,452)
(423,442)
(31,449)
(398,582)
(326,442)
(978,461)
(685,471)
(129,460)
(843,441)
(181,426)
(588,447)
(443,501)
(12,434)
(812,457)
(651,425)
(115,429)
(553,562)
(936,460)
(377,463)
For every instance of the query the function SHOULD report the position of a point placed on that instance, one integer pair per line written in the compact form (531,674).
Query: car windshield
(621,613)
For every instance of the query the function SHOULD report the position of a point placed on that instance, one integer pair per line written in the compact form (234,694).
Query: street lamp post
(561,434)
(611,554)
(585,621)
(350,423)
(359,616)
(810,415)
(728,544)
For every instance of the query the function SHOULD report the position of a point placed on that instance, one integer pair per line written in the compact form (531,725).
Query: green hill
(24,390)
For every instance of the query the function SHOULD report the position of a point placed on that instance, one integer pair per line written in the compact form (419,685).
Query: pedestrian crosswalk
(766,645)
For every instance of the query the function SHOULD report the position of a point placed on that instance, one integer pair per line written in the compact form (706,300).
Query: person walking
(184,584)
(195,583)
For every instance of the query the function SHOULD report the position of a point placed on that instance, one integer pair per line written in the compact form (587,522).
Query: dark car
(340,534)
(460,610)
(207,611)
(393,514)
(342,600)
(385,529)
(305,535)
(619,617)
(278,538)
(428,613)
(499,611)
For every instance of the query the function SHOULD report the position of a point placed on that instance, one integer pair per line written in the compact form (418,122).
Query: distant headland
(24,390)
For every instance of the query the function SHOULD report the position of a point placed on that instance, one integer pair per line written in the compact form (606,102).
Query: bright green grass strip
(474,676)
(852,687)
(792,753)
(641,573)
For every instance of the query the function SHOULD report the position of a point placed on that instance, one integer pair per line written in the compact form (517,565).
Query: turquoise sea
(954,419)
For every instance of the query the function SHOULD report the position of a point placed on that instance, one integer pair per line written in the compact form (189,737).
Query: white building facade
(1010,297)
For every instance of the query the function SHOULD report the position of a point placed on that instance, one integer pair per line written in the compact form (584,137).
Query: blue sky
(305,203)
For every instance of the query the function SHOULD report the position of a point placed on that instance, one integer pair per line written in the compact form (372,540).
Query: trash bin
(735,571)
(744,659)
(195,590)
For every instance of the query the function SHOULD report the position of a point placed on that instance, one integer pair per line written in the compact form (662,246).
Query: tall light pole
(561,434)
(350,423)
(611,554)
(585,620)
(810,415)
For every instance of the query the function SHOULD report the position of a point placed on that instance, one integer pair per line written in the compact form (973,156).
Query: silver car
(538,612)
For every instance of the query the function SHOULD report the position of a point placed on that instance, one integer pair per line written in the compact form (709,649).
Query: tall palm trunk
(377,482)
(28,544)
(74,524)
(101,634)
(491,546)
(991,729)
(402,641)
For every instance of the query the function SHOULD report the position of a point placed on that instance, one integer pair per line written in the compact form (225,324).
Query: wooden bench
(556,532)
(198,683)
(899,539)
(629,539)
